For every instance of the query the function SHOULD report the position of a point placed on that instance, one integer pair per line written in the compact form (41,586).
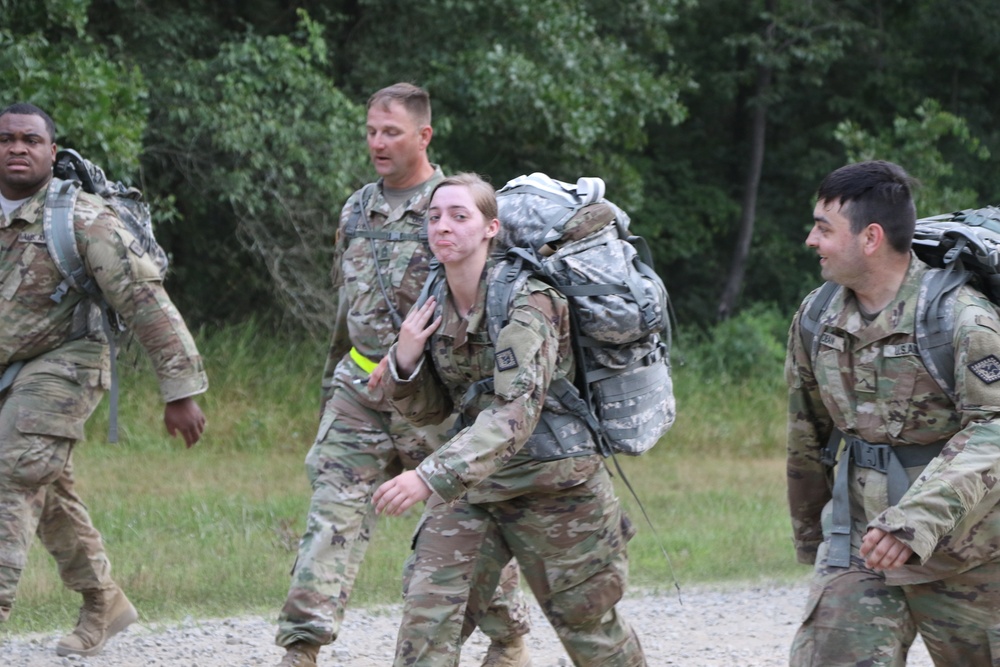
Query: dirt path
(709,627)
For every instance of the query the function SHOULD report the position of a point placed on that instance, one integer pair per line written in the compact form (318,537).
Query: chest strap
(886,459)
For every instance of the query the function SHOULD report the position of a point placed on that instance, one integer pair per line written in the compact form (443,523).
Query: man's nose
(811,239)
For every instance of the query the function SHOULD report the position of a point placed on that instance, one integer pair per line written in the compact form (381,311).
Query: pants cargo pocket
(43,444)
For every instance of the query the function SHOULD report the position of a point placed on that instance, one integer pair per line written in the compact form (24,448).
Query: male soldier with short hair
(904,534)
(380,265)
(55,365)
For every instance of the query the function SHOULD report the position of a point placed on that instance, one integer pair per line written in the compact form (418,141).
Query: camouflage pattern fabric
(854,619)
(42,415)
(560,519)
(361,441)
(363,317)
(130,282)
(868,381)
(488,460)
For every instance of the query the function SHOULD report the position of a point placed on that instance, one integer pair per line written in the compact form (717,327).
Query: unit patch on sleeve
(986,369)
(506,359)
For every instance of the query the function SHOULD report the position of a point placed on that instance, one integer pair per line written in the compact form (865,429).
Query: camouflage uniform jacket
(869,382)
(34,324)
(363,318)
(486,460)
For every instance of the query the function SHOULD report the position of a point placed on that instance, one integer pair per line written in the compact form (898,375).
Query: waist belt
(363,362)
(886,459)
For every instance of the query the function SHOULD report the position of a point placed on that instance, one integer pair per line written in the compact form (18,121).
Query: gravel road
(708,627)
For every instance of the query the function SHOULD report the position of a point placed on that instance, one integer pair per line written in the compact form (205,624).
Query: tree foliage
(243,119)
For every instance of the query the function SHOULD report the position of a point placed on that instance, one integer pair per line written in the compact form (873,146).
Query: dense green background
(711,120)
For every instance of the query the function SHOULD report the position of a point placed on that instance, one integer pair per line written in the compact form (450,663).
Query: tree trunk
(738,265)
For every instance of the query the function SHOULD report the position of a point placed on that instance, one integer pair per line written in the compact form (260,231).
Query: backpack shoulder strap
(935,323)
(361,203)
(60,238)
(810,322)
(360,210)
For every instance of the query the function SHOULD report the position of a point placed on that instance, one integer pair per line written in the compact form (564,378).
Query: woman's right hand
(413,337)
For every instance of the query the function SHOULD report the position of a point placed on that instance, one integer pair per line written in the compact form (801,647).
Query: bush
(749,345)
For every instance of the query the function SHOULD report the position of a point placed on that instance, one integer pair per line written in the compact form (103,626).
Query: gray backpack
(573,239)
(962,247)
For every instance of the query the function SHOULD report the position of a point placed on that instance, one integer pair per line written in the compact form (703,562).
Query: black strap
(886,459)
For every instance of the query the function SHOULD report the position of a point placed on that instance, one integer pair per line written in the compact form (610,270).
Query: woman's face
(456,228)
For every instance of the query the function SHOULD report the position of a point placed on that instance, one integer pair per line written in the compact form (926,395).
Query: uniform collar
(897,317)
(417,203)
(28,212)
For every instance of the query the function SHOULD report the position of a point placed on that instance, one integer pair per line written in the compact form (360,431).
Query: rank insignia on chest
(986,369)
(506,359)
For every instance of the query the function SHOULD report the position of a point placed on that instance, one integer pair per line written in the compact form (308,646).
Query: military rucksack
(573,239)
(961,247)
(73,174)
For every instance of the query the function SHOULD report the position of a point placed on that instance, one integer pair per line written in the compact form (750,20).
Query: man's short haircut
(27,109)
(414,99)
(875,191)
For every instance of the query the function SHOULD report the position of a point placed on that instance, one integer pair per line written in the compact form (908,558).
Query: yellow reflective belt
(363,362)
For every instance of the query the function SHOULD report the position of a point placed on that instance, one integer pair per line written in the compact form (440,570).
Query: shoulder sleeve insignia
(507,360)
(986,369)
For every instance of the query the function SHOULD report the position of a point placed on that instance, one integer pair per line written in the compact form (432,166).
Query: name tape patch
(829,340)
(903,350)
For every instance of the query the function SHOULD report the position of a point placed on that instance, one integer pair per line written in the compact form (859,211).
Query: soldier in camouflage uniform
(497,489)
(929,560)
(361,441)
(56,366)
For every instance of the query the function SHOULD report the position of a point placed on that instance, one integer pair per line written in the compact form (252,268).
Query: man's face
(27,154)
(396,144)
(841,258)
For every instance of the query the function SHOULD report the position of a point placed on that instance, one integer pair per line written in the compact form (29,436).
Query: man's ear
(426,133)
(872,238)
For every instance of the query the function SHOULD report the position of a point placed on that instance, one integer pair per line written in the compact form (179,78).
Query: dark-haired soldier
(55,365)
(904,533)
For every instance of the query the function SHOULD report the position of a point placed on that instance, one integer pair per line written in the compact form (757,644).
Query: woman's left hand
(400,493)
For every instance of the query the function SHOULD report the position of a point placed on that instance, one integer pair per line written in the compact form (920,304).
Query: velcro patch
(136,249)
(986,369)
(506,359)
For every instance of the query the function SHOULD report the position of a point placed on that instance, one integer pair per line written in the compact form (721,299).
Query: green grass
(212,531)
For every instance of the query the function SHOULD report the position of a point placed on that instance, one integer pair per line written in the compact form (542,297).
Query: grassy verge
(213,531)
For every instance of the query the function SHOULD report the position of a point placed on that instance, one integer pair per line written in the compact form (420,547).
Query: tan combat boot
(508,654)
(300,654)
(105,612)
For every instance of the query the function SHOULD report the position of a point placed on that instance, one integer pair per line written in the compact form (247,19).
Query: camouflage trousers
(571,546)
(357,448)
(854,619)
(42,417)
